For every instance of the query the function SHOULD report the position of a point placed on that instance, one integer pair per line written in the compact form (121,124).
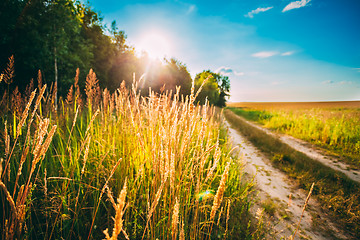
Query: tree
(44,34)
(59,36)
(216,88)
(166,76)
(179,76)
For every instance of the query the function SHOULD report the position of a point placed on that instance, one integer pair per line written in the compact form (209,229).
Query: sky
(271,50)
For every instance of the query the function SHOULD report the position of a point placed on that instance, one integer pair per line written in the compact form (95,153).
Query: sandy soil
(275,186)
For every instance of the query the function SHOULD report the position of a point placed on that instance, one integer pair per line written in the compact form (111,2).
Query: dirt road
(274,189)
(313,153)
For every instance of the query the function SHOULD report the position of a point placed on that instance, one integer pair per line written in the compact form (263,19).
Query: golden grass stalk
(8,197)
(70,96)
(1,165)
(90,87)
(86,153)
(41,132)
(92,120)
(9,71)
(182,232)
(48,140)
(38,101)
(219,218)
(15,218)
(220,192)
(22,160)
(201,86)
(172,170)
(119,212)
(175,220)
(101,194)
(217,156)
(72,128)
(25,113)
(39,79)
(7,141)
(156,200)
(303,210)
(227,218)
(155,203)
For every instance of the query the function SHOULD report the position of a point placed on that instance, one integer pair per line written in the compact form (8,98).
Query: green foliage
(59,36)
(166,76)
(216,88)
(40,33)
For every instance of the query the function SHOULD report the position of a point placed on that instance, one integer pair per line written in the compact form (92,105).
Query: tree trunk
(56,78)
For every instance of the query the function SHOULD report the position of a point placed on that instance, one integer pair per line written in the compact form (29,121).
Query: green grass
(338,195)
(252,115)
(335,129)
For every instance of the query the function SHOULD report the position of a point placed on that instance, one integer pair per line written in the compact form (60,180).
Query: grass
(335,129)
(109,165)
(338,195)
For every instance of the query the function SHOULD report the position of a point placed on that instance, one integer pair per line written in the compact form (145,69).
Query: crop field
(117,164)
(333,126)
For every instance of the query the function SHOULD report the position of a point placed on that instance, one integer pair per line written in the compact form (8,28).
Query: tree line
(56,37)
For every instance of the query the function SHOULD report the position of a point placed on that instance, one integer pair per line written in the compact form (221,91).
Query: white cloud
(265,54)
(328,82)
(338,83)
(346,82)
(192,8)
(239,73)
(256,11)
(227,71)
(296,4)
(357,69)
(289,53)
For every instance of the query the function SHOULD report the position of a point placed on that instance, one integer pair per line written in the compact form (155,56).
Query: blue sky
(272,50)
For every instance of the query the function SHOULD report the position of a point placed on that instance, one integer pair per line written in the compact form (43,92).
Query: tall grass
(336,129)
(167,160)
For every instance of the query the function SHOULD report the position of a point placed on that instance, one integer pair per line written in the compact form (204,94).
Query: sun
(155,44)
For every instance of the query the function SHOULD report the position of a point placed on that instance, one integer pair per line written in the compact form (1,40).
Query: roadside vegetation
(102,165)
(338,195)
(335,129)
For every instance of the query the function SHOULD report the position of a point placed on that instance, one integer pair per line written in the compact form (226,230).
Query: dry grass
(60,161)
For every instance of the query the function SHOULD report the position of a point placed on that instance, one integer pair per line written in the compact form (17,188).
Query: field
(333,126)
(296,105)
(117,164)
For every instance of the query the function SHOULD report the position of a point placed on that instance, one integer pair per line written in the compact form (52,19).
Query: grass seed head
(175,220)
(220,192)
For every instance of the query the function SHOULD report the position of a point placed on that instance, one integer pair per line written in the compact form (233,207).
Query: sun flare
(155,44)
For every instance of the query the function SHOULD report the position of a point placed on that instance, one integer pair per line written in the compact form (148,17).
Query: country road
(276,187)
(312,152)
